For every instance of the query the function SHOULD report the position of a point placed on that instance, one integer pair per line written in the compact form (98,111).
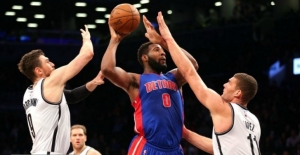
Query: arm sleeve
(76,95)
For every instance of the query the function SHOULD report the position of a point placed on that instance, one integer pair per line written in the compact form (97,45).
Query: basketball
(124,18)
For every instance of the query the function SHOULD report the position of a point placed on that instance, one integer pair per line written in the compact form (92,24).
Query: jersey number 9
(29,120)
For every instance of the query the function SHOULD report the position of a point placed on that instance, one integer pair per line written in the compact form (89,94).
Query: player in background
(78,139)
(154,95)
(236,130)
(45,101)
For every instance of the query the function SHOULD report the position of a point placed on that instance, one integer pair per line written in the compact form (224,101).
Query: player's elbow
(89,55)
(107,71)
(86,56)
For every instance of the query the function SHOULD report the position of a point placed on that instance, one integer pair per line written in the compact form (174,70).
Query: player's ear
(144,57)
(238,93)
(38,71)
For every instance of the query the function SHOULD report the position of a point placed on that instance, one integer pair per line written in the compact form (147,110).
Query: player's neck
(239,102)
(36,81)
(79,150)
(150,71)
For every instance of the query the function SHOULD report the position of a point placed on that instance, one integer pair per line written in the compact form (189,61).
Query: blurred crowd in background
(251,41)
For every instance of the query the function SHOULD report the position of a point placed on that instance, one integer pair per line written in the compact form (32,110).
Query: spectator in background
(78,139)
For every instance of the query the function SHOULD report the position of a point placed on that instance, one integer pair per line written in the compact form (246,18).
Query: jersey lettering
(30,102)
(160,84)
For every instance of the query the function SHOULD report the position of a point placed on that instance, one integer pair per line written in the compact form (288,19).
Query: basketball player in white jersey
(45,102)
(78,139)
(236,130)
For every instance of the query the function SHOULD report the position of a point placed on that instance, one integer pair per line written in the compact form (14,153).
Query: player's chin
(78,145)
(164,64)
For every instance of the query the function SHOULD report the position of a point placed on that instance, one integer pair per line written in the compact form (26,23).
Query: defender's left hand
(151,33)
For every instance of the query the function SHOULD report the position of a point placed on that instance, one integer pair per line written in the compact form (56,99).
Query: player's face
(46,65)
(157,58)
(78,138)
(230,90)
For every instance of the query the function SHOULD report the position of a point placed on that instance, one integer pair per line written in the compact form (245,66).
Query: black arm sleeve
(76,95)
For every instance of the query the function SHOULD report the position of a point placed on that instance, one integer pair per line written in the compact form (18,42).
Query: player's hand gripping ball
(124,18)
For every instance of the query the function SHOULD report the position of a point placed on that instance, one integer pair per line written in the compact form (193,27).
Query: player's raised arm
(206,96)
(108,65)
(61,75)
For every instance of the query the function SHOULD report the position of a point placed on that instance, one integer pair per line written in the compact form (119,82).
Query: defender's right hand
(163,28)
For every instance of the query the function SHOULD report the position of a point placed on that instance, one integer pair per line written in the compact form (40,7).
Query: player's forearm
(191,58)
(76,95)
(164,45)
(184,65)
(200,142)
(109,59)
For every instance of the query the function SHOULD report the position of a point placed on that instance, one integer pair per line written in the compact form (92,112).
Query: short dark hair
(78,126)
(248,85)
(143,49)
(28,63)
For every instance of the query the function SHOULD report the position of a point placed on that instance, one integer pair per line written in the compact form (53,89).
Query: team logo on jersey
(160,84)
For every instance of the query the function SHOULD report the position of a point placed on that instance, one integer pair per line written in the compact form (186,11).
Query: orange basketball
(124,18)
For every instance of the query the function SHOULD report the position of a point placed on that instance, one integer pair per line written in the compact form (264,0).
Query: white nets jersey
(84,152)
(49,123)
(242,138)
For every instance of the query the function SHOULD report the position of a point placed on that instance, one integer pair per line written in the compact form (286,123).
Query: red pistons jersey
(158,112)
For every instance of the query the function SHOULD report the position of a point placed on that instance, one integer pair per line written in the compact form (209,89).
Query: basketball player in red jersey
(155,96)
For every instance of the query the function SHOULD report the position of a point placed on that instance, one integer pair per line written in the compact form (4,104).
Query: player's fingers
(151,26)
(82,31)
(144,19)
(86,28)
(147,35)
(161,18)
(158,20)
(147,24)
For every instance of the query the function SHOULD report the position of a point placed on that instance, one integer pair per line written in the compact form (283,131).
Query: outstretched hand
(85,33)
(115,36)
(151,33)
(163,28)
(99,79)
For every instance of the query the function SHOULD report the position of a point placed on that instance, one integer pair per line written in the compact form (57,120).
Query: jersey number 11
(251,144)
